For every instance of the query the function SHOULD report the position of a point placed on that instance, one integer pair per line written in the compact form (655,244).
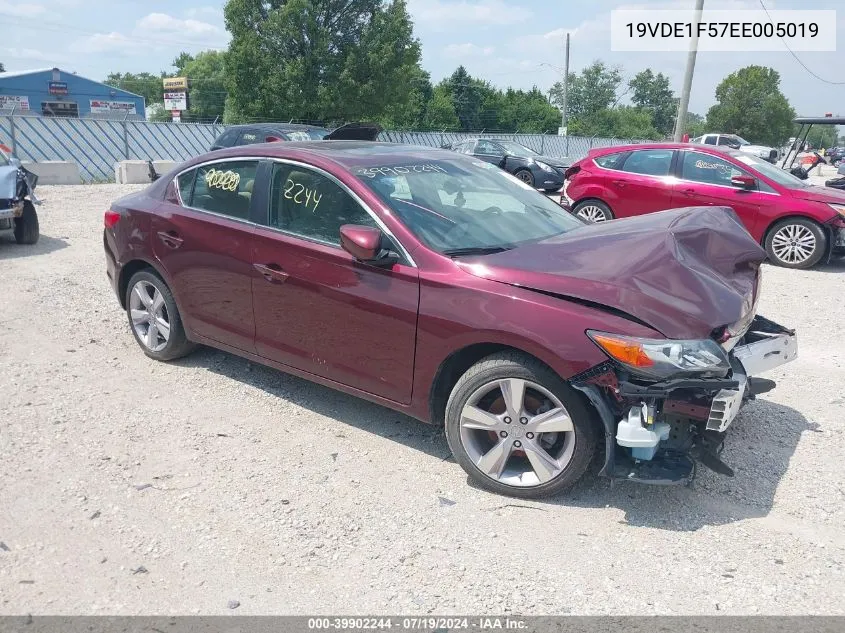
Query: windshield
(773,172)
(466,206)
(738,139)
(306,135)
(516,149)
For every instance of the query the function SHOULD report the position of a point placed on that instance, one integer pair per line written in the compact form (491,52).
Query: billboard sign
(14,102)
(57,88)
(99,106)
(175,84)
(175,100)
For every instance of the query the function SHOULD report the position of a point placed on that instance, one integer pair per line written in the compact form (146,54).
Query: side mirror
(744,182)
(364,244)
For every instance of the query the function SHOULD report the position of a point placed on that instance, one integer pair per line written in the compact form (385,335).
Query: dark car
(17,199)
(440,286)
(835,155)
(798,224)
(532,168)
(254,133)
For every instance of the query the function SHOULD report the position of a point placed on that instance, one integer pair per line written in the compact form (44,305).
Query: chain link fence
(96,144)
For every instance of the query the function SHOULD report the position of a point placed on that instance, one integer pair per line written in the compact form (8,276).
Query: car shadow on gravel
(9,249)
(836,265)
(759,446)
(324,401)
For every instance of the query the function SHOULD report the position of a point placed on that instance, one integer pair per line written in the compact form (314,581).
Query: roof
(275,126)
(24,73)
(820,120)
(722,149)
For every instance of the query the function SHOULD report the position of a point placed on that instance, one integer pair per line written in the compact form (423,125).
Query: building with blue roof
(52,92)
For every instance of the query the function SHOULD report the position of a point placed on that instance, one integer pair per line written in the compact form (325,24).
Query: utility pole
(683,103)
(565,87)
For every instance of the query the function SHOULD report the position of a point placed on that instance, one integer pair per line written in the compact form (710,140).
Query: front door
(705,179)
(319,310)
(206,245)
(642,183)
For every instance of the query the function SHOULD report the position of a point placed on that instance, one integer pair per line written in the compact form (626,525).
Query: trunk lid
(684,272)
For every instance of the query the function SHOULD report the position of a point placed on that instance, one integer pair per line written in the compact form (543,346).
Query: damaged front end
(17,185)
(666,405)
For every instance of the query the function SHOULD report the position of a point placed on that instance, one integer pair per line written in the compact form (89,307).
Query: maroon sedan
(443,287)
(798,224)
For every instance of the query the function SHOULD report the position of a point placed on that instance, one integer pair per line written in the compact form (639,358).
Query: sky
(516,43)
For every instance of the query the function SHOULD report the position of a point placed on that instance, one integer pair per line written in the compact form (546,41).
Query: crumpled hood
(559,163)
(684,272)
(819,194)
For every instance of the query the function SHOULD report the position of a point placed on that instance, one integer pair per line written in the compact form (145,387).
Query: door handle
(688,192)
(272,272)
(170,239)
(620,183)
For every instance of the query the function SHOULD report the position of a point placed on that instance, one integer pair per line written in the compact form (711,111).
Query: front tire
(525,176)
(154,318)
(518,429)
(796,243)
(26,226)
(593,211)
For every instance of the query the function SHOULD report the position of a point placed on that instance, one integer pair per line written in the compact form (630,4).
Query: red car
(799,224)
(441,286)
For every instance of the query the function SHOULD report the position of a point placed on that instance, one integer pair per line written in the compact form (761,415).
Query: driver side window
(310,205)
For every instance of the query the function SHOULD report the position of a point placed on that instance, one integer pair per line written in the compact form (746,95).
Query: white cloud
(463,14)
(463,51)
(27,54)
(209,12)
(21,9)
(162,24)
(113,43)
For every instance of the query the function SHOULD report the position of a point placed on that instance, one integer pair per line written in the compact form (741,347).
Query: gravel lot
(134,487)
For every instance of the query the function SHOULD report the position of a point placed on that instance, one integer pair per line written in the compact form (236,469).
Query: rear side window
(608,161)
(649,162)
(710,140)
(222,188)
(228,138)
(248,137)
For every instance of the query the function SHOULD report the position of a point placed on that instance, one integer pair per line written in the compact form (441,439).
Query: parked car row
(799,224)
(439,285)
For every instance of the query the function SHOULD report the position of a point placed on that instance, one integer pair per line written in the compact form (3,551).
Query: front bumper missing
(699,410)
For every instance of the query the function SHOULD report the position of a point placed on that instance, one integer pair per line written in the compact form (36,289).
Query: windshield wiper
(476,250)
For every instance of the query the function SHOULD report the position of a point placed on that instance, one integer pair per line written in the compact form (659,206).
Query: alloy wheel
(517,433)
(525,177)
(592,213)
(149,316)
(794,244)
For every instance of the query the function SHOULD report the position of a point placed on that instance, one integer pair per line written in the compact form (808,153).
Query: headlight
(664,358)
(546,168)
(839,208)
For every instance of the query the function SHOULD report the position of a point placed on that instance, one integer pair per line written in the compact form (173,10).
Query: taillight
(571,172)
(272,139)
(838,222)
(111,218)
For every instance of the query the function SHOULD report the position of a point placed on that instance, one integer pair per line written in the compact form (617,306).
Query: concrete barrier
(55,172)
(137,172)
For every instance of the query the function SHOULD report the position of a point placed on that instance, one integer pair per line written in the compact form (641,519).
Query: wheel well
(589,199)
(126,273)
(794,216)
(455,366)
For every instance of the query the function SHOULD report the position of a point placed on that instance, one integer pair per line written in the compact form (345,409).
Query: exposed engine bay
(657,431)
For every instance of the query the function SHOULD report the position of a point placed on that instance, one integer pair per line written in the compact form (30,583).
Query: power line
(798,59)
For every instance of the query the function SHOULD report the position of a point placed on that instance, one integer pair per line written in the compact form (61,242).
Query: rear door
(316,308)
(641,182)
(205,245)
(705,179)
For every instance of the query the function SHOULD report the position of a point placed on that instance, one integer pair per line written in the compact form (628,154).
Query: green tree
(144,84)
(821,136)
(440,113)
(411,113)
(2,68)
(652,92)
(696,125)
(618,122)
(207,84)
(467,95)
(592,90)
(181,62)
(751,105)
(318,59)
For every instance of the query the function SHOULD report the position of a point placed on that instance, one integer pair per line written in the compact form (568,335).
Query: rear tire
(796,243)
(150,306)
(493,426)
(26,226)
(593,211)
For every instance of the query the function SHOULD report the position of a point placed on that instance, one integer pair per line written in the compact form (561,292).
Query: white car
(737,142)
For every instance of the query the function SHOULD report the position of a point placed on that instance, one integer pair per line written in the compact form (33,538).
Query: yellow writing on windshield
(300,194)
(225,180)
